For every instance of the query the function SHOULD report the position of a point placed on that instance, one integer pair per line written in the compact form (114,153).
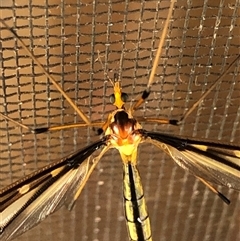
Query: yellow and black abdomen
(138,222)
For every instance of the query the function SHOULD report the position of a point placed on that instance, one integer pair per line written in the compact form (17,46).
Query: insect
(62,182)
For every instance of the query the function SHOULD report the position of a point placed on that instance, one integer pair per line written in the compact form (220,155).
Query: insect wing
(31,202)
(216,162)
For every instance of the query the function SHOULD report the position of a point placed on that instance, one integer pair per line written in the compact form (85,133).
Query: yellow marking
(128,149)
(118,93)
(24,189)
(237,153)
(200,147)
(7,213)
(143,219)
(56,171)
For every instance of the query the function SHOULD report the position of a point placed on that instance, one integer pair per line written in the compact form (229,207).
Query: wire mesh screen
(82,44)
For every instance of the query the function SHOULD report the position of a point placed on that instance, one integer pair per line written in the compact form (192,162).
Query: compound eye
(112,98)
(124,97)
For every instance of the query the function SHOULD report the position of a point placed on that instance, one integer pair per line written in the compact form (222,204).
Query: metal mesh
(68,37)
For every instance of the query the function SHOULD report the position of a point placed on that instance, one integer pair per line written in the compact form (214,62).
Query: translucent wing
(217,162)
(30,200)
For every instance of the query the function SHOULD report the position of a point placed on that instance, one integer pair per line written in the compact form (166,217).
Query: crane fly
(28,201)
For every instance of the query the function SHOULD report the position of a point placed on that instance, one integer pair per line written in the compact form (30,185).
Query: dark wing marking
(214,161)
(28,201)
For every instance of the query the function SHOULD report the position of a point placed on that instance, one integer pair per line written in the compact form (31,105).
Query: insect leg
(146,92)
(31,55)
(218,80)
(17,123)
(214,190)
(94,163)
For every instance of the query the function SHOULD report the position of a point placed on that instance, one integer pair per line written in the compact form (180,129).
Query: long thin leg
(80,113)
(94,163)
(214,190)
(146,92)
(163,35)
(157,121)
(17,123)
(52,128)
(176,122)
(218,80)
